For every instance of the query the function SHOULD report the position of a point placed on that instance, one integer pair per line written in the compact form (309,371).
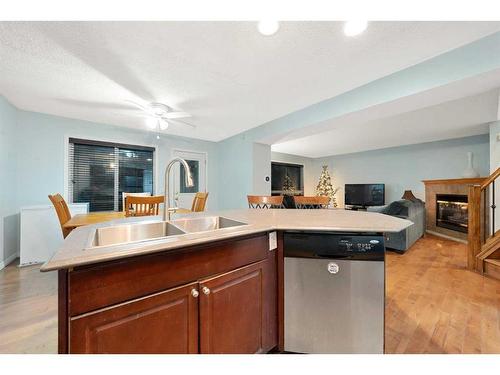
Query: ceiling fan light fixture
(163,124)
(159,109)
(268,27)
(152,123)
(159,116)
(355,27)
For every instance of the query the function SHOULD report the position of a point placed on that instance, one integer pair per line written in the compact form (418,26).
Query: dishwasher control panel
(354,246)
(357,243)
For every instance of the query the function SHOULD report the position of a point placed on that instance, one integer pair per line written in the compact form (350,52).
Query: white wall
(309,169)
(402,168)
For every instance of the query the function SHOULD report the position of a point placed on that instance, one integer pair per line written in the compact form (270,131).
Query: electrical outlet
(273,241)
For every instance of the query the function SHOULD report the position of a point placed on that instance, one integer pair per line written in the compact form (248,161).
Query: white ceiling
(227,75)
(457,118)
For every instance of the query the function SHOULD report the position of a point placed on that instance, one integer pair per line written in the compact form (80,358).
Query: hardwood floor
(28,310)
(434,305)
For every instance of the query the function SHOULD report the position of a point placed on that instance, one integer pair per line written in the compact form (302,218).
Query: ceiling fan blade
(181,122)
(93,105)
(140,106)
(174,115)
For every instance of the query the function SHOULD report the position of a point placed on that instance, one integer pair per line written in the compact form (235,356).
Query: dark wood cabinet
(166,322)
(232,311)
(226,302)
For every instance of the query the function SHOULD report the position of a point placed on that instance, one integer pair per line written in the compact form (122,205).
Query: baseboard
(29,264)
(7,261)
(446,236)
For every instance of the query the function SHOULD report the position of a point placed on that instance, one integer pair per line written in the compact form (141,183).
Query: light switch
(273,241)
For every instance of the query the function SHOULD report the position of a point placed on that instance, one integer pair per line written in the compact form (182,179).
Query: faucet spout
(188,181)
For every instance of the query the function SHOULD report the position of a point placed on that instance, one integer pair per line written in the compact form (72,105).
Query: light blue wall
(45,138)
(261,169)
(494,146)
(8,217)
(33,151)
(235,171)
(404,168)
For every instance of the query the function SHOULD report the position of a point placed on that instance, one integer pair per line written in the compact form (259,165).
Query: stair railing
(481,225)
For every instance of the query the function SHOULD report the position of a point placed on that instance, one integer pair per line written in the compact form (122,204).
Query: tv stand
(355,208)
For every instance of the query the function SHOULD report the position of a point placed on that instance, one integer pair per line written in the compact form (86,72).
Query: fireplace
(451,212)
(446,219)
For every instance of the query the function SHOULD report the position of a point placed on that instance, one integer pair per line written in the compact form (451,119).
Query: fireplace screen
(451,212)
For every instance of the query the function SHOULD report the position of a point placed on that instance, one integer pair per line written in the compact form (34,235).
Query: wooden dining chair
(125,195)
(143,206)
(311,202)
(199,202)
(265,201)
(62,211)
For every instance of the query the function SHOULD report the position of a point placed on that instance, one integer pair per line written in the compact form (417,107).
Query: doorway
(197,161)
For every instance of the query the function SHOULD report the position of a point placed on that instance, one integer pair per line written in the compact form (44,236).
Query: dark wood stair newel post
(474,230)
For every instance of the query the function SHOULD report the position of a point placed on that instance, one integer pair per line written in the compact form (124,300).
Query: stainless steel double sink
(141,232)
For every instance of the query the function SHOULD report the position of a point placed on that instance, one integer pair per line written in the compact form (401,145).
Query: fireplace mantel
(452,186)
(456,181)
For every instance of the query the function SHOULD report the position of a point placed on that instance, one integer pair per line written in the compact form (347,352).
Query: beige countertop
(74,252)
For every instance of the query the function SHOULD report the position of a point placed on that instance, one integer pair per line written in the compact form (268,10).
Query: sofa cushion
(398,208)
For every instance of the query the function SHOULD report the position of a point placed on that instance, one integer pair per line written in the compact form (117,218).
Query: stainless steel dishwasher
(334,292)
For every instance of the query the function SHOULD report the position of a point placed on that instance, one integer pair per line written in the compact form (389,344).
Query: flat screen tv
(364,195)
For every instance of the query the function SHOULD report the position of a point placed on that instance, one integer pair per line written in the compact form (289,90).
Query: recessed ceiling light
(352,28)
(268,27)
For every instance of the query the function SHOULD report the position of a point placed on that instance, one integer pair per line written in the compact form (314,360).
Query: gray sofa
(413,210)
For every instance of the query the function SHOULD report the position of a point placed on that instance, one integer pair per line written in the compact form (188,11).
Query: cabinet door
(165,322)
(232,314)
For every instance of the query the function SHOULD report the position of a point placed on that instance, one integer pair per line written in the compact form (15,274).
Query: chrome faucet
(188,181)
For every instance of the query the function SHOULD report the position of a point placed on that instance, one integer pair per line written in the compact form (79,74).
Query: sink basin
(122,234)
(141,232)
(202,224)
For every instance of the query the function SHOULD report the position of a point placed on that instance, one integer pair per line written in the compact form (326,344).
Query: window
(287,178)
(99,172)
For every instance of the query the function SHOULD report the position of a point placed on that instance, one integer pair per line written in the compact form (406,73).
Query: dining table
(103,216)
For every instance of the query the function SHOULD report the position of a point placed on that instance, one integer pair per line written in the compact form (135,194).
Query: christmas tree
(288,186)
(325,187)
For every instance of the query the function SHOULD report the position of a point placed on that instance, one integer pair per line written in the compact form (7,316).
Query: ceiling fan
(161,115)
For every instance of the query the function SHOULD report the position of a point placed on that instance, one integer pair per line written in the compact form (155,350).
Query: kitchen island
(204,283)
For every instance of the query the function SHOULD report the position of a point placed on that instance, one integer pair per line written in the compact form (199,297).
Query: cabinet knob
(206,290)
(194,293)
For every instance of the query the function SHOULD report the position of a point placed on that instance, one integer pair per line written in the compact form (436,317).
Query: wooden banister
(490,179)
(481,224)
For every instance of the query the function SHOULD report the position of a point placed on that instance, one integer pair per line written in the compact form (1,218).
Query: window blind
(100,172)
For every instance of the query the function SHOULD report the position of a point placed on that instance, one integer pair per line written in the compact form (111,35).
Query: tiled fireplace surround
(458,186)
